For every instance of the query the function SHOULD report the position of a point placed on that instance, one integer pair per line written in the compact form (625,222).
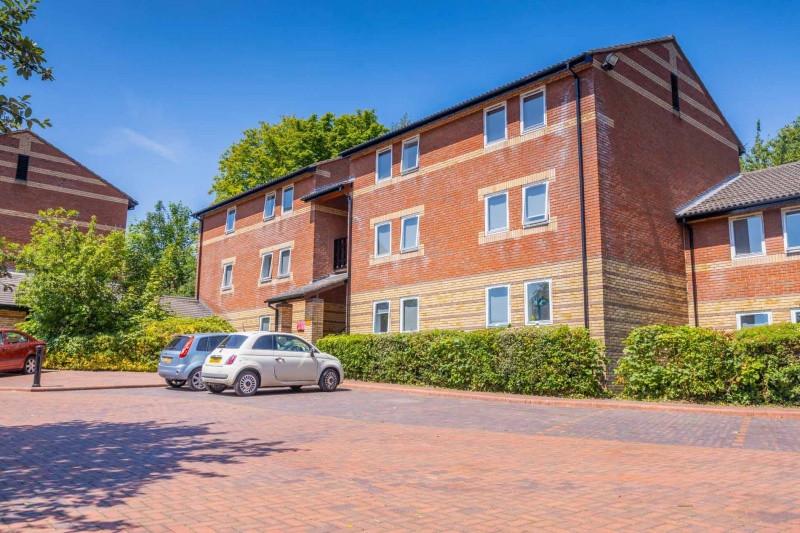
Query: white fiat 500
(248,361)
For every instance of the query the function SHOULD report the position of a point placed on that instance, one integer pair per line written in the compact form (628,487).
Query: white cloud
(120,140)
(146,143)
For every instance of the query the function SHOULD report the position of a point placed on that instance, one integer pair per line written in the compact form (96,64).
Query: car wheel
(296,387)
(196,381)
(329,380)
(175,383)
(30,365)
(246,384)
(215,388)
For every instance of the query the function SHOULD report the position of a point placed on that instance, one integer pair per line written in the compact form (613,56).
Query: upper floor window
(535,202)
(791,230)
(747,236)
(750,320)
(532,110)
(266,267)
(494,124)
(227,276)
(383,165)
(383,239)
(23,161)
(269,206)
(284,262)
(497,212)
(380,317)
(498,306)
(288,199)
(230,220)
(409,233)
(410,155)
(538,295)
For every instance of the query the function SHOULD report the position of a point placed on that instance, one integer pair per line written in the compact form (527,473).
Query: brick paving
(58,380)
(163,460)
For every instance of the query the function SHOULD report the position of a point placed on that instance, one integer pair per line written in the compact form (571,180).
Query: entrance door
(294,361)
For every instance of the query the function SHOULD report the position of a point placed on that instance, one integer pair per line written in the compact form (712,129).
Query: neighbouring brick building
(551,199)
(35,176)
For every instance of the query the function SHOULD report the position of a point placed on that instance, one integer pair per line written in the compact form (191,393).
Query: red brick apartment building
(551,199)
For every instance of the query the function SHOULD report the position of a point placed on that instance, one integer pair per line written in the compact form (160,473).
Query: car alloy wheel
(30,365)
(329,380)
(196,381)
(246,383)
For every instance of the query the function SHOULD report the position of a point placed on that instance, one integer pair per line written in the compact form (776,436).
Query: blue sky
(149,93)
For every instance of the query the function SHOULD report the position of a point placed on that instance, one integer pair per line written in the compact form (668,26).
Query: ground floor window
(795,316)
(264,323)
(498,306)
(538,297)
(409,314)
(752,319)
(380,317)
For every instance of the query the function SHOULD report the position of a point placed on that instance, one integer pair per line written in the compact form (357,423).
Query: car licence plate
(166,359)
(215,359)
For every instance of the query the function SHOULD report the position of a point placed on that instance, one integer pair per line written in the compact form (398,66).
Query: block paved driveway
(171,460)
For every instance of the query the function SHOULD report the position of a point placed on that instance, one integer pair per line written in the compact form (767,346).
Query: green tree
(403,121)
(272,150)
(783,148)
(27,60)
(6,257)
(162,250)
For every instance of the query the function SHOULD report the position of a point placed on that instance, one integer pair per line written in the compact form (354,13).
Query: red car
(18,351)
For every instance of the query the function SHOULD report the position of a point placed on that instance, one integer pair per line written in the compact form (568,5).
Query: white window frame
(403,233)
(792,316)
(391,155)
(486,304)
(389,252)
(283,197)
(388,316)
(746,313)
(526,223)
(486,112)
(403,154)
(261,320)
(529,322)
(274,201)
(224,267)
(271,265)
(784,213)
(733,242)
(522,97)
(486,213)
(403,315)
(227,214)
(289,269)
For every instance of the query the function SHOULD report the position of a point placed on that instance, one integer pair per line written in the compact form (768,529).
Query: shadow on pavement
(49,472)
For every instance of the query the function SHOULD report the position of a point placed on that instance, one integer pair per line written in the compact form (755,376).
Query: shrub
(136,351)
(767,359)
(553,360)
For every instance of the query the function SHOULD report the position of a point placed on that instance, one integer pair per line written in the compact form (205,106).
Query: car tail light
(230,360)
(185,350)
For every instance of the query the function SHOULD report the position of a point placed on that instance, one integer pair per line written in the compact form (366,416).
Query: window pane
(410,154)
(756,319)
(266,266)
(381,319)
(496,212)
(269,206)
(538,295)
(285,343)
(496,125)
(288,198)
(793,230)
(747,236)
(263,323)
(382,238)
(536,203)
(230,220)
(410,233)
(533,111)
(266,342)
(233,341)
(385,164)
(283,267)
(410,315)
(498,305)
(177,343)
(227,276)
(796,317)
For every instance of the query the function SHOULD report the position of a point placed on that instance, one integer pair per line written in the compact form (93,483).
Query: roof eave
(778,202)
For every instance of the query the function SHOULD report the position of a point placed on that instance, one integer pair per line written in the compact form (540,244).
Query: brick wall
(10,319)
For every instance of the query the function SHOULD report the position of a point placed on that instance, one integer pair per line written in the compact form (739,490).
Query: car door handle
(279,359)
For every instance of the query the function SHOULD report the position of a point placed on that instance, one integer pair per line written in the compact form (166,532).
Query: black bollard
(37,375)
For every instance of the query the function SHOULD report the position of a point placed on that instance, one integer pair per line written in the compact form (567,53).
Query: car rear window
(213,342)
(233,341)
(177,343)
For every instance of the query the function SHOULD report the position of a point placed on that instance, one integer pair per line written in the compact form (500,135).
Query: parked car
(248,361)
(18,351)
(182,358)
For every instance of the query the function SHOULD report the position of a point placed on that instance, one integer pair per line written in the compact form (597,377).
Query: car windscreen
(177,343)
(233,341)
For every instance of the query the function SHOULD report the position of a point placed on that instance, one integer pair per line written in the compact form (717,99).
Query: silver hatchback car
(181,360)
(247,361)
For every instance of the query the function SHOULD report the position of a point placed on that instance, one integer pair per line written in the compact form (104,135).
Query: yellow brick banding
(416,210)
(547,175)
(552,225)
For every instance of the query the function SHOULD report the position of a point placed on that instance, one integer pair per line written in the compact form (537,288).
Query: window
(264,323)
(227,276)
(494,124)
(676,97)
(536,203)
(380,317)
(266,267)
(12,337)
(383,239)
(232,342)
(22,167)
(176,344)
(264,342)
(410,155)
(747,236)
(287,200)
(269,206)
(791,231)
(409,314)
(538,295)
(795,316)
(750,320)
(409,233)
(230,220)
(532,111)
(202,345)
(286,343)
(285,263)
(383,165)
(498,306)
(497,212)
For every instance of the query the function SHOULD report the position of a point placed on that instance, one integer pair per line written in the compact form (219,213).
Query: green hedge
(555,360)
(753,366)
(135,351)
